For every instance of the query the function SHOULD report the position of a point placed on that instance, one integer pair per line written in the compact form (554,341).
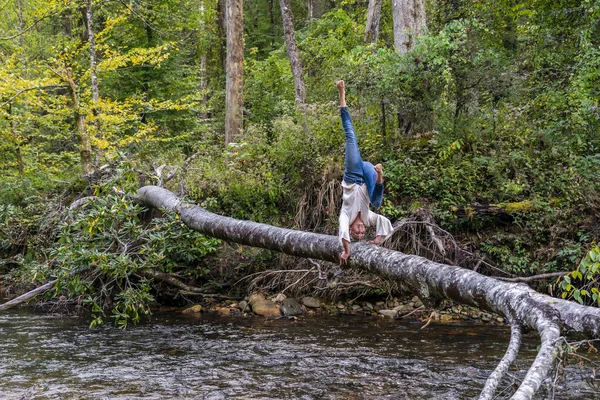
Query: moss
(517,207)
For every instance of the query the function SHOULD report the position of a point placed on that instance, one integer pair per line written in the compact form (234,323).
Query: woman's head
(357,229)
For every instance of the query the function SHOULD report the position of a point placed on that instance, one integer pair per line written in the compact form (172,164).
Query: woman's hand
(344,257)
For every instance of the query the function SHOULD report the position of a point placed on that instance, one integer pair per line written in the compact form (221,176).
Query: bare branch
(10,99)
(543,363)
(25,297)
(212,295)
(509,357)
(30,27)
(171,279)
(534,277)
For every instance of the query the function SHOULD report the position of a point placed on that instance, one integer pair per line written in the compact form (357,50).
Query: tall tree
(85,142)
(373,17)
(235,70)
(409,21)
(89,16)
(293,52)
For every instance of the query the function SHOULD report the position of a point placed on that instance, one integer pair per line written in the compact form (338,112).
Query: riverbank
(280,306)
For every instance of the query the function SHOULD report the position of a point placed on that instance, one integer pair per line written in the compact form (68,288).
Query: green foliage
(104,246)
(496,104)
(512,252)
(582,283)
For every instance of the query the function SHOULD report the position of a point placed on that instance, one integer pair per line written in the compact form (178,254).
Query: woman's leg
(353,165)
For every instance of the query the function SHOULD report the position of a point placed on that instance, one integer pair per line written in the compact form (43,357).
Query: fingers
(340,84)
(343,257)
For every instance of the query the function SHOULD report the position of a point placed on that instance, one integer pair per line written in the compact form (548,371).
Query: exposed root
(318,206)
(420,235)
(325,280)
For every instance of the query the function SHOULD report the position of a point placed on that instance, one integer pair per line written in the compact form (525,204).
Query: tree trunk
(409,20)
(203,73)
(89,16)
(85,144)
(522,306)
(13,129)
(235,71)
(222,28)
(293,53)
(203,86)
(27,296)
(373,17)
(310,7)
(93,60)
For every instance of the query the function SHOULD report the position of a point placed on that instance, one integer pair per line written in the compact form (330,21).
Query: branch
(31,26)
(10,99)
(171,279)
(539,370)
(82,201)
(29,295)
(509,357)
(534,277)
(216,296)
(295,283)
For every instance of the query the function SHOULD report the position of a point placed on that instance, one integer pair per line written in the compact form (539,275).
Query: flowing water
(207,357)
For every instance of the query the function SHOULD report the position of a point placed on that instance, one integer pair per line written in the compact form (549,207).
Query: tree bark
(27,296)
(373,17)
(85,144)
(203,74)
(13,128)
(89,16)
(293,52)
(409,20)
(310,9)
(235,71)
(93,60)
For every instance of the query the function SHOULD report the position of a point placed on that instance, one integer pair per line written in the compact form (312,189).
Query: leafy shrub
(582,284)
(104,247)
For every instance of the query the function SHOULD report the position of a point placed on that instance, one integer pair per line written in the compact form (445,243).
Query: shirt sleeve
(344,227)
(377,197)
(383,226)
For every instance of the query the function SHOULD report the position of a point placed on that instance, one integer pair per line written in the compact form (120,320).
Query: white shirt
(355,198)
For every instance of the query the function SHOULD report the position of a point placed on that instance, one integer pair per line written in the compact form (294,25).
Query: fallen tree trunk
(432,281)
(27,296)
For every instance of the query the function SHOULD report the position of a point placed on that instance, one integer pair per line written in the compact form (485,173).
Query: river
(206,357)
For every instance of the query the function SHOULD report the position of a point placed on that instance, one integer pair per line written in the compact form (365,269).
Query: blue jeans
(353,164)
(355,169)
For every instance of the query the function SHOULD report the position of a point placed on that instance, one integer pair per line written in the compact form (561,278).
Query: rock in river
(193,309)
(291,307)
(389,313)
(311,302)
(264,307)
